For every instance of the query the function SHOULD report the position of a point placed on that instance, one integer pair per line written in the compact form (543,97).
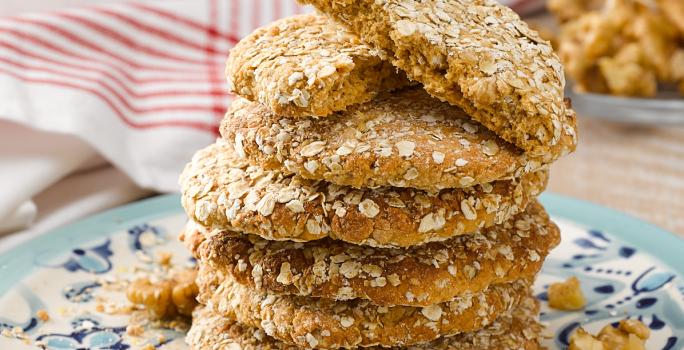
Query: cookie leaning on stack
(346,206)
(474,54)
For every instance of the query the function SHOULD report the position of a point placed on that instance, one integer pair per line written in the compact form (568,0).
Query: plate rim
(666,248)
(110,220)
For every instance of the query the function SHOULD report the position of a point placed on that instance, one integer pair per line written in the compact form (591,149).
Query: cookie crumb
(43,315)
(135,330)
(164,259)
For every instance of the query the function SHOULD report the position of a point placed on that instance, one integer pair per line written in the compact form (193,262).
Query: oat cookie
(418,276)
(308,65)
(520,330)
(325,323)
(403,139)
(221,191)
(476,54)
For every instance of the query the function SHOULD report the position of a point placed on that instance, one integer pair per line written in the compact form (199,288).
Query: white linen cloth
(138,85)
(103,104)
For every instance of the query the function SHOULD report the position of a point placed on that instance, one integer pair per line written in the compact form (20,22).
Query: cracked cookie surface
(402,139)
(222,191)
(308,65)
(417,276)
(478,55)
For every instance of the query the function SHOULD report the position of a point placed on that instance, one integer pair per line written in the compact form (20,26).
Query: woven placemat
(636,169)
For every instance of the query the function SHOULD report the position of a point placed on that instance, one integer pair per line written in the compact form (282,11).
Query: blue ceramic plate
(628,268)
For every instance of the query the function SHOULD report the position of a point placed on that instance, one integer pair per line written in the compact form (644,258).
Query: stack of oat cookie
(375,181)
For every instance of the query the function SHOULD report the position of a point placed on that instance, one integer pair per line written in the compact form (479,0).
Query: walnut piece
(566,295)
(168,297)
(630,335)
(621,47)
(566,10)
(581,340)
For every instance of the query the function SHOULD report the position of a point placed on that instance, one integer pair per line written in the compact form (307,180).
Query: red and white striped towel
(140,82)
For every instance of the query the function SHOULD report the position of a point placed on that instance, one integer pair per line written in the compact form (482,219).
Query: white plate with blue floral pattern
(628,269)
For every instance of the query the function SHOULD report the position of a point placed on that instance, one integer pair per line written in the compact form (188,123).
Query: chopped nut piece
(635,327)
(612,338)
(566,295)
(581,340)
(631,335)
(621,47)
(167,297)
